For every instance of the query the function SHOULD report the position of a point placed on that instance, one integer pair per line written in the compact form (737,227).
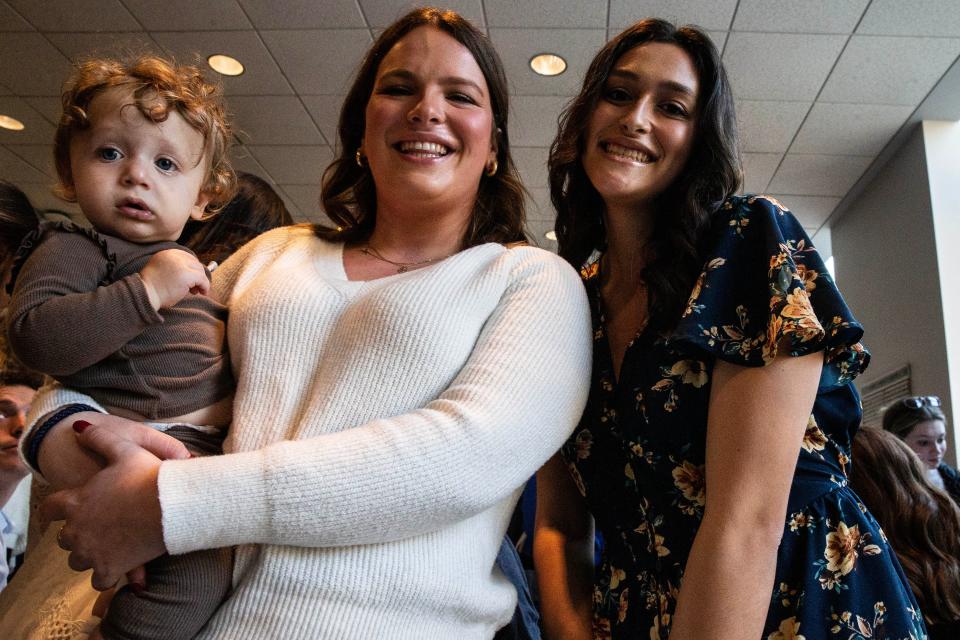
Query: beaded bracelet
(36,439)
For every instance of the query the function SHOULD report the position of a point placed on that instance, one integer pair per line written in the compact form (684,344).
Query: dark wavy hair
(684,210)
(921,522)
(256,208)
(349,194)
(17,219)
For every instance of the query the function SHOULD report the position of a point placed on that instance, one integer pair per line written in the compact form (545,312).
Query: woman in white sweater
(399,378)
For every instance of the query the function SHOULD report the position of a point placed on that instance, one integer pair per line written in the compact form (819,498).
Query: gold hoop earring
(359,158)
(492,168)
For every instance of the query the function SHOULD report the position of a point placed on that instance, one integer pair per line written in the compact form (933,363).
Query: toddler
(116,311)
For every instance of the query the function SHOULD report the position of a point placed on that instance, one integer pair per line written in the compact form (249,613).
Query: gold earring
(359,158)
(492,168)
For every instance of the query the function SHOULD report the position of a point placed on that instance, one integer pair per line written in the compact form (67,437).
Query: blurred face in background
(14,403)
(929,440)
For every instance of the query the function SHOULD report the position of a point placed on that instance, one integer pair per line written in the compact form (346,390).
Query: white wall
(942,145)
(885,252)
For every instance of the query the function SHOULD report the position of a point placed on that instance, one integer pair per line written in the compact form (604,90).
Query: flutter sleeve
(764,287)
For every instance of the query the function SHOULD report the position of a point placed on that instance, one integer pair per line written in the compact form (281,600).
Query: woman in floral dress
(714,451)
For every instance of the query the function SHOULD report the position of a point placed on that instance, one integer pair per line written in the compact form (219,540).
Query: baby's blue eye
(166,164)
(108,153)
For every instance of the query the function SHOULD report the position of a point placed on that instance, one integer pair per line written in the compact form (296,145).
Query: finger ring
(60,538)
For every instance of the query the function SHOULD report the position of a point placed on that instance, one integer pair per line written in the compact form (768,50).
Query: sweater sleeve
(62,319)
(515,401)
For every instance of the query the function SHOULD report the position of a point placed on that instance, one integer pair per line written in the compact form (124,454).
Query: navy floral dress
(638,453)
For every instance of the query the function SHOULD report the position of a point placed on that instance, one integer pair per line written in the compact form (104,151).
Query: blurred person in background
(921,423)
(920,521)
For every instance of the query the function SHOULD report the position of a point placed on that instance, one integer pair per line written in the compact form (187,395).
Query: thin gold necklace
(402,267)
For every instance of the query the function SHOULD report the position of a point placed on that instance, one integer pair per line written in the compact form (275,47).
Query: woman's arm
(563,555)
(512,405)
(508,409)
(757,418)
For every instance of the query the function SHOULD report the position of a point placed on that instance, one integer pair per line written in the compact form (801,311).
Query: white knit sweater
(382,433)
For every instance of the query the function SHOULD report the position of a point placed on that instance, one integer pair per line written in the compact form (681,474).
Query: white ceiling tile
(569,14)
(708,14)
(11,21)
(818,175)
(790,16)
(304,14)
(306,198)
(16,170)
(758,168)
(290,165)
(517,46)
(188,15)
(76,15)
(120,44)
(382,13)
(537,229)
(242,160)
(36,128)
(535,120)
(719,39)
(849,129)
(889,70)
(767,126)
(771,66)
(273,120)
(30,65)
(326,112)
(49,107)
(532,164)
(914,18)
(261,75)
(811,211)
(319,62)
(39,156)
(539,206)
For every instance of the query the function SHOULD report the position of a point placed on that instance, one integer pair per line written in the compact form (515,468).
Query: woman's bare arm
(757,418)
(563,554)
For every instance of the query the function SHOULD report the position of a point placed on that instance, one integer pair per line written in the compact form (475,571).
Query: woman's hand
(113,523)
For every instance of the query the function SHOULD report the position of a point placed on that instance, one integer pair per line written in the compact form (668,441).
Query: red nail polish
(137,588)
(80,425)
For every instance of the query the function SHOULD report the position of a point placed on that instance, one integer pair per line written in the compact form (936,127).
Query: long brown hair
(712,173)
(349,194)
(921,522)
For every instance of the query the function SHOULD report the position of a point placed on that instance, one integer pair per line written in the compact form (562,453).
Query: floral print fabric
(638,453)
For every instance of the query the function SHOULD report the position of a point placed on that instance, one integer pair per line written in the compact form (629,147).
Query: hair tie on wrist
(32,452)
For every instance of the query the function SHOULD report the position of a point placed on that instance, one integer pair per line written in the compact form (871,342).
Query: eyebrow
(404,74)
(672,85)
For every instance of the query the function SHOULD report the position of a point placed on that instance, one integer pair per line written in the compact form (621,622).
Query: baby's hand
(170,275)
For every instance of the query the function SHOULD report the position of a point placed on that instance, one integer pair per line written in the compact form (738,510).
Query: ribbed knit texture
(382,431)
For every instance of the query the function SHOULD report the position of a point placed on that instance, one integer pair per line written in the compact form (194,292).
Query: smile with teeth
(420,149)
(626,152)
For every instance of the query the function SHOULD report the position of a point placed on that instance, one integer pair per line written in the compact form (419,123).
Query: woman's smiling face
(642,130)
(429,123)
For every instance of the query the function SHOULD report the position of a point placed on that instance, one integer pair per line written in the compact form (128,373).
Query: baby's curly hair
(157,86)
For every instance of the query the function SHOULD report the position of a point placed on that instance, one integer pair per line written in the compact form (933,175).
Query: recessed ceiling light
(13,124)
(548,64)
(551,235)
(225,65)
